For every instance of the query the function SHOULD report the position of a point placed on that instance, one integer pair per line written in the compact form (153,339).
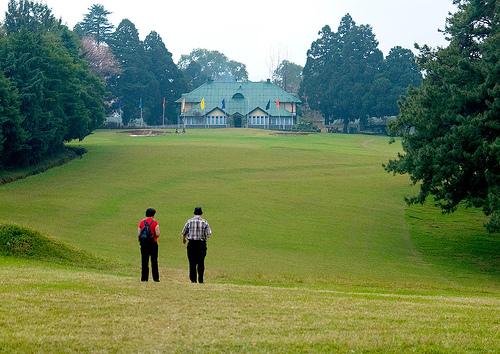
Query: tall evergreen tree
(340,70)
(60,99)
(314,82)
(29,15)
(133,86)
(170,80)
(450,125)
(12,136)
(399,71)
(400,67)
(96,24)
(357,65)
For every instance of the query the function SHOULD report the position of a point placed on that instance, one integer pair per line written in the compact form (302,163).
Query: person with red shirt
(149,248)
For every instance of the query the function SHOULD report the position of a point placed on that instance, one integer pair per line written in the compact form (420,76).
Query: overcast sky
(258,32)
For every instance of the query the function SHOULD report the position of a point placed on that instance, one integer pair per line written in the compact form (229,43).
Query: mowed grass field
(313,250)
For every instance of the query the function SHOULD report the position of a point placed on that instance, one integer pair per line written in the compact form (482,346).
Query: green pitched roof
(239,97)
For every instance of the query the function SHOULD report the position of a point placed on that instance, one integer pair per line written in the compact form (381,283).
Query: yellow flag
(202,103)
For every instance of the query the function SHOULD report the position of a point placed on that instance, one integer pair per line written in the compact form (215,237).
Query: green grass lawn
(313,250)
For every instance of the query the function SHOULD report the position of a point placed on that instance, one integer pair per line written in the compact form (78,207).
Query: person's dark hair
(198,211)
(150,212)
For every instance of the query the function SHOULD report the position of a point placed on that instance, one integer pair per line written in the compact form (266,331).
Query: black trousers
(149,249)
(196,252)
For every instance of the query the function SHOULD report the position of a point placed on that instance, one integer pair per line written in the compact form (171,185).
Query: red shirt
(152,226)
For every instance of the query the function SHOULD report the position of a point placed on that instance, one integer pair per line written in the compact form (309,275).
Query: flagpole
(183,114)
(203,116)
(279,113)
(142,121)
(163,112)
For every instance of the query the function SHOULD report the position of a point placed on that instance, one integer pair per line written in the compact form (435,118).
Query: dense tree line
(141,75)
(48,94)
(143,78)
(56,84)
(346,76)
(451,124)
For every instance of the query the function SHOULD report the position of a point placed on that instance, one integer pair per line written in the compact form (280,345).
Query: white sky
(258,32)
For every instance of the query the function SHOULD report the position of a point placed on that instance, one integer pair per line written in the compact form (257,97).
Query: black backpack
(146,235)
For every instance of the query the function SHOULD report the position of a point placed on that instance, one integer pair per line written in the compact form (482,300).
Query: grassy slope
(21,243)
(317,209)
(312,211)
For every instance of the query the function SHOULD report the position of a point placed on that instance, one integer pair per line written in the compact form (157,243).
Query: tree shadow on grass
(458,242)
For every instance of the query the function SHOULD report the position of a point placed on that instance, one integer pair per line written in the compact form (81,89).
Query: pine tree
(13,151)
(29,15)
(96,25)
(450,125)
(398,72)
(340,70)
(135,84)
(314,82)
(171,82)
(60,99)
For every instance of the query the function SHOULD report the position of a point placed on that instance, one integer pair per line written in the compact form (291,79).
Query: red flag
(278,103)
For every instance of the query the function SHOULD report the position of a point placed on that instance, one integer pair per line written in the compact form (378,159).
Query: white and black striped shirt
(197,228)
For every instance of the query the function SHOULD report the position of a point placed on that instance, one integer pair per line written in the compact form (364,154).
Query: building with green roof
(217,104)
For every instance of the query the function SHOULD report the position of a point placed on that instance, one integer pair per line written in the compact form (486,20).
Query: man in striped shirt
(196,231)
